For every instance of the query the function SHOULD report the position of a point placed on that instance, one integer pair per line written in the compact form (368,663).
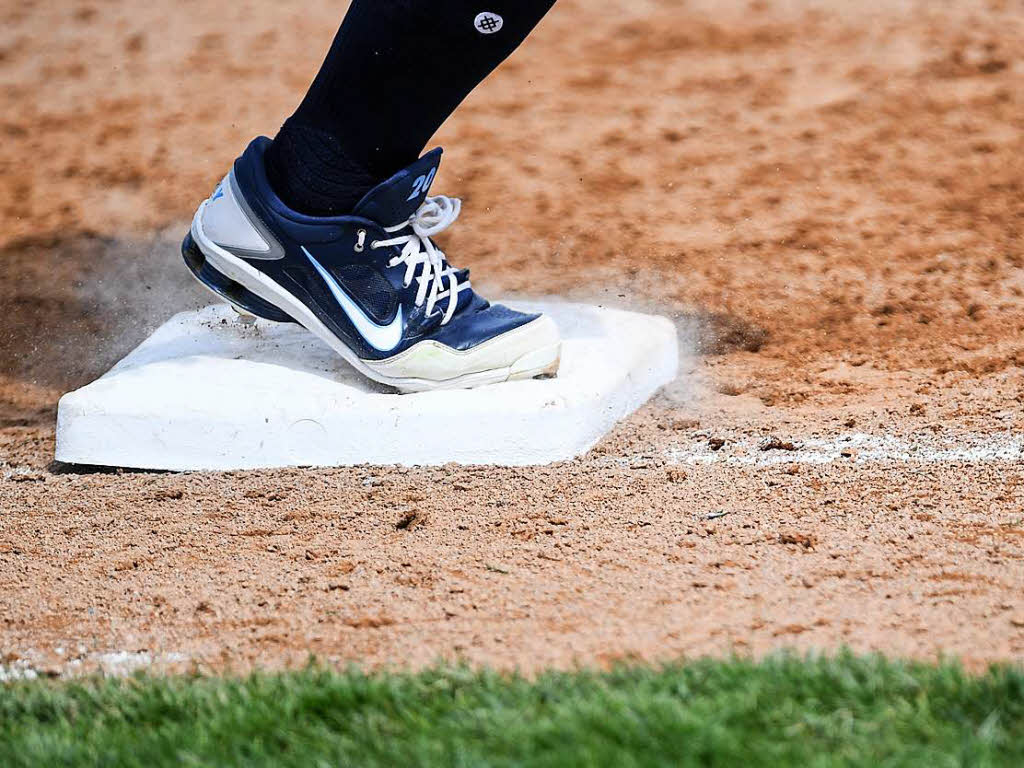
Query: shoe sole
(538,360)
(246,303)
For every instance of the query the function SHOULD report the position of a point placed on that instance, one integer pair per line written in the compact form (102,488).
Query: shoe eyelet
(360,240)
(374,245)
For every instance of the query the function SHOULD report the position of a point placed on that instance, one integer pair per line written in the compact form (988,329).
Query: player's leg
(396,70)
(330,225)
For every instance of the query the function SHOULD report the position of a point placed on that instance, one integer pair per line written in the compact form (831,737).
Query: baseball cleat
(372,284)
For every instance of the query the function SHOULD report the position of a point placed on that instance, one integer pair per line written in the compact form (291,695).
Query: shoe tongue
(394,201)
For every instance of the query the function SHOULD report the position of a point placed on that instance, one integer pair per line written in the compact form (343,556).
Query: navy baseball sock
(396,70)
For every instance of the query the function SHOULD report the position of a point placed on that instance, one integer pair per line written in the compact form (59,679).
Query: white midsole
(533,348)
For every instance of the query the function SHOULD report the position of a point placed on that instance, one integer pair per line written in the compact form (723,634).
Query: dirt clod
(805,540)
(772,443)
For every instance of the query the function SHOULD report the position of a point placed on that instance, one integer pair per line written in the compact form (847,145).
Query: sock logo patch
(488,23)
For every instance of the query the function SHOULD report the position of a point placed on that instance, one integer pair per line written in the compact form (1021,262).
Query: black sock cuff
(310,171)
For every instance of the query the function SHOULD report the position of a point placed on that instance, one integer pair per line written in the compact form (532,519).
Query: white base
(207,391)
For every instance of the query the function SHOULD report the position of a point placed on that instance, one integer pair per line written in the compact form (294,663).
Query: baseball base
(209,392)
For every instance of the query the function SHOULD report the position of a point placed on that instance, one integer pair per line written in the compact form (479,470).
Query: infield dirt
(827,197)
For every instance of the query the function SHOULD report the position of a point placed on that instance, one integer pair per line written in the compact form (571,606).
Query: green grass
(783,711)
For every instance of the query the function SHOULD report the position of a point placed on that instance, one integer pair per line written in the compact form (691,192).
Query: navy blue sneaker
(372,284)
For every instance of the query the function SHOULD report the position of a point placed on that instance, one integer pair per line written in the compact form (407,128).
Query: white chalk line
(856,447)
(112,663)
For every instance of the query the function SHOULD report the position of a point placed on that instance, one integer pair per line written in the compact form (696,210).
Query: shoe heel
(244,301)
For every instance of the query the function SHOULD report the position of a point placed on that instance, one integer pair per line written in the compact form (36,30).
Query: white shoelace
(433,217)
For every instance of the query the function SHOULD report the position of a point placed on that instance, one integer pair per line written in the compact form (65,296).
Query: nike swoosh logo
(383,338)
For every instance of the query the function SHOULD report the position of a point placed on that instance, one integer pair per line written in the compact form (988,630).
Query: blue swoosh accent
(383,338)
